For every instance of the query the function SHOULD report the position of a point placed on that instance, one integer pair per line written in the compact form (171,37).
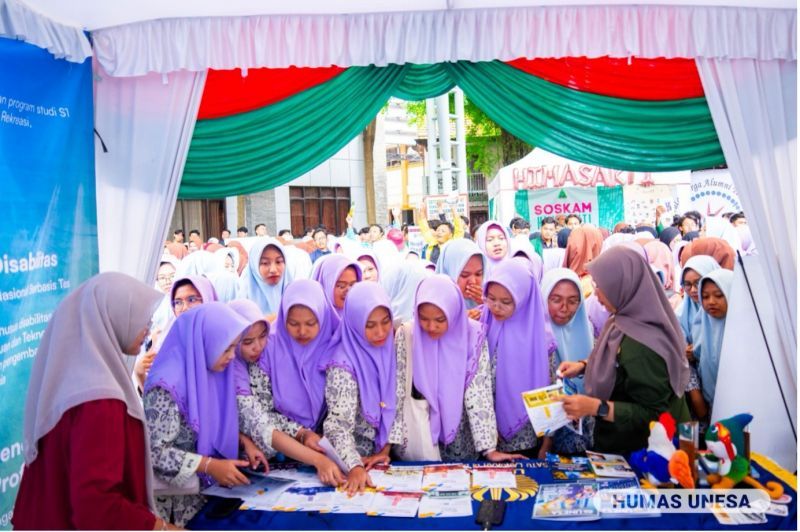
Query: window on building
(207,216)
(313,206)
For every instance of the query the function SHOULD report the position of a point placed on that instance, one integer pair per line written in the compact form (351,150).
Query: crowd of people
(359,344)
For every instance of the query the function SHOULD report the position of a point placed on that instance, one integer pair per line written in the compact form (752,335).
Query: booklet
(569,468)
(258,487)
(297,499)
(397,478)
(571,502)
(616,496)
(302,475)
(394,504)
(446,504)
(342,503)
(610,465)
(493,476)
(545,411)
(445,477)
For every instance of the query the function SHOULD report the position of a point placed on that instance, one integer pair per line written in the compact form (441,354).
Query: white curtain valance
(18,21)
(196,44)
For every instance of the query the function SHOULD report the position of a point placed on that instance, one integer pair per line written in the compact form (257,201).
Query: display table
(530,474)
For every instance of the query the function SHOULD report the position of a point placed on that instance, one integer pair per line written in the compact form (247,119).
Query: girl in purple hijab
(293,362)
(259,434)
(450,369)
(515,327)
(337,274)
(190,405)
(361,385)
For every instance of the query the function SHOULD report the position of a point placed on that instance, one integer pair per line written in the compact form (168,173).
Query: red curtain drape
(635,79)
(227,92)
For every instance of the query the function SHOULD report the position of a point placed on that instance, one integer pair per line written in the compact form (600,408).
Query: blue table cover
(530,473)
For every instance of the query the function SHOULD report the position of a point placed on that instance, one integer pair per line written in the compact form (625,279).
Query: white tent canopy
(133,39)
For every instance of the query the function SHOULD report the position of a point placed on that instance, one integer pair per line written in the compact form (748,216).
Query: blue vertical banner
(48,238)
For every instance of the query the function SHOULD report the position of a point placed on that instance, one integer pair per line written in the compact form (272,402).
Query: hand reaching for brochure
(311,440)
(357,480)
(328,472)
(499,456)
(378,458)
(570,369)
(253,454)
(578,406)
(226,472)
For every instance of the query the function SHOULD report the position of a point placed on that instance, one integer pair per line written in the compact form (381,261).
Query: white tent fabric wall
(747,381)
(754,108)
(18,21)
(147,124)
(423,37)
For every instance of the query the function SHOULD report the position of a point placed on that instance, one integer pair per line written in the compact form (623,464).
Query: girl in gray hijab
(638,368)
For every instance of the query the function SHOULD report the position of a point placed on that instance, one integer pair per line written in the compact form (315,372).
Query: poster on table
(599,206)
(713,193)
(48,245)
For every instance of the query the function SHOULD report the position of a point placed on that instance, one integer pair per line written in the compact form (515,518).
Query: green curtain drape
(268,147)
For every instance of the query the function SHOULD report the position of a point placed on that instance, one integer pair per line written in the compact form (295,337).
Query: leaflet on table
(493,476)
(312,499)
(258,486)
(569,468)
(445,477)
(331,453)
(446,504)
(610,465)
(359,503)
(738,518)
(572,502)
(616,494)
(394,504)
(545,411)
(302,475)
(397,478)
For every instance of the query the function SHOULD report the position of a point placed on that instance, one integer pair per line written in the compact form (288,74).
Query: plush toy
(661,462)
(725,440)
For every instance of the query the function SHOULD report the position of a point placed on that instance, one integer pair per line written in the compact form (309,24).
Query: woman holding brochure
(638,368)
(448,386)
(361,385)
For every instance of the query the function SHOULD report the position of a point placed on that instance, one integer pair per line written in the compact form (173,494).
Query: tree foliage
(489,146)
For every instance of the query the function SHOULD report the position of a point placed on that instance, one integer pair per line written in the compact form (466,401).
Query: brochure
(493,476)
(296,499)
(394,504)
(397,478)
(445,477)
(615,498)
(342,503)
(569,468)
(545,411)
(446,504)
(259,487)
(610,465)
(302,475)
(572,502)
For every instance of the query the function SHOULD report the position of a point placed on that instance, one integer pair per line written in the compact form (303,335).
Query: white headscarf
(80,356)
(708,333)
(722,228)
(298,262)
(202,263)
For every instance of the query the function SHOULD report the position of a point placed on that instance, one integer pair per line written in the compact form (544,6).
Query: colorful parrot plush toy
(725,440)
